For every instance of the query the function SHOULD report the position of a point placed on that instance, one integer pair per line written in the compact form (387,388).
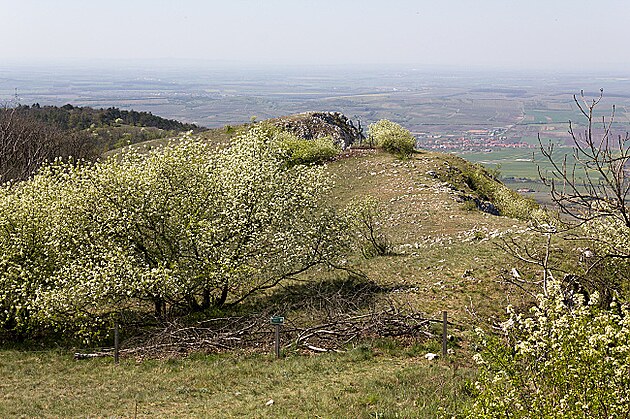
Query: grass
(366,381)
(445,259)
(446,255)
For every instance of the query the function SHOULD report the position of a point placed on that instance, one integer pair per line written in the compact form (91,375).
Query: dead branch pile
(339,332)
(255,333)
(213,335)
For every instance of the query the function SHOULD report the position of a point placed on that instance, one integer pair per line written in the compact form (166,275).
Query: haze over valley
(492,117)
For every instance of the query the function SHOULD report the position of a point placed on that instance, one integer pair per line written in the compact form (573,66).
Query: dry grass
(446,254)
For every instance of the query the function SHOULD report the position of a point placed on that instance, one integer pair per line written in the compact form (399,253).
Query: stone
(311,125)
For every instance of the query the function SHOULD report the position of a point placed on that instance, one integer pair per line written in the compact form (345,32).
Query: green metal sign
(277,320)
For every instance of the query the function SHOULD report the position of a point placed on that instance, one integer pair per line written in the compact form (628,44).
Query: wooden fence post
(116,360)
(277,341)
(444,336)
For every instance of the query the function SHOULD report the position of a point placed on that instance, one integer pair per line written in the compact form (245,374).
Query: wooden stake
(277,341)
(444,325)
(116,360)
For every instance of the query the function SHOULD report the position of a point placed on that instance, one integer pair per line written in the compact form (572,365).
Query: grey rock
(312,125)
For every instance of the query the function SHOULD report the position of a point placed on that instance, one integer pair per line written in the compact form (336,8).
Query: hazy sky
(539,34)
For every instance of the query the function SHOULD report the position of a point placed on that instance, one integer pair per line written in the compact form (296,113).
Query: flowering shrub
(391,137)
(569,358)
(185,227)
(609,241)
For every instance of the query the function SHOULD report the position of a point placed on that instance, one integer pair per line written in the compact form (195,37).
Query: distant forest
(70,117)
(32,135)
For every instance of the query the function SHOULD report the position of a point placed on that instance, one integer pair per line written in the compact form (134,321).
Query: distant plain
(439,106)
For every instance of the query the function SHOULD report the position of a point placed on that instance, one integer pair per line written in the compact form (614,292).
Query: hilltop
(442,217)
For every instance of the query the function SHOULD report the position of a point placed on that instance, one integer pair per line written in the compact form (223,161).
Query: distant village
(471,140)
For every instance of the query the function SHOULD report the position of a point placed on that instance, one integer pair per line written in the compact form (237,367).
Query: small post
(277,341)
(116,360)
(277,321)
(444,325)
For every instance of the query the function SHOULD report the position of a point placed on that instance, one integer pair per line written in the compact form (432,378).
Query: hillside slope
(444,258)
(444,228)
(445,251)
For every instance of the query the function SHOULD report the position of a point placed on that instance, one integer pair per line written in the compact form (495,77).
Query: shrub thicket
(181,228)
(392,138)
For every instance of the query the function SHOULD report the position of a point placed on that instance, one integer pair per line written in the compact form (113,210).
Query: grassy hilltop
(443,255)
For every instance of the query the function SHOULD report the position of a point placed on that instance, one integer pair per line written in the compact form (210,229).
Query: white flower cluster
(184,226)
(568,358)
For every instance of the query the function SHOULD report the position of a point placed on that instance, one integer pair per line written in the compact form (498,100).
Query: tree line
(32,135)
(69,117)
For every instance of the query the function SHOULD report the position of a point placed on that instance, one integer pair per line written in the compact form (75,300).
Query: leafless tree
(26,143)
(590,187)
(596,185)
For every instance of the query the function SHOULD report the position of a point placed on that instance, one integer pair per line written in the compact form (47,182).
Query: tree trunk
(206,299)
(193,305)
(224,293)
(160,308)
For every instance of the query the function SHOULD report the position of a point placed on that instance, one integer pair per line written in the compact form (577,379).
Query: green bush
(301,151)
(568,359)
(392,138)
(508,202)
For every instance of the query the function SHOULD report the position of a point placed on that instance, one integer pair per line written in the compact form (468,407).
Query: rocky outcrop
(484,206)
(311,125)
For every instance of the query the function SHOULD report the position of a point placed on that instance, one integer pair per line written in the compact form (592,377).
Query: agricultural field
(426,102)
(518,164)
